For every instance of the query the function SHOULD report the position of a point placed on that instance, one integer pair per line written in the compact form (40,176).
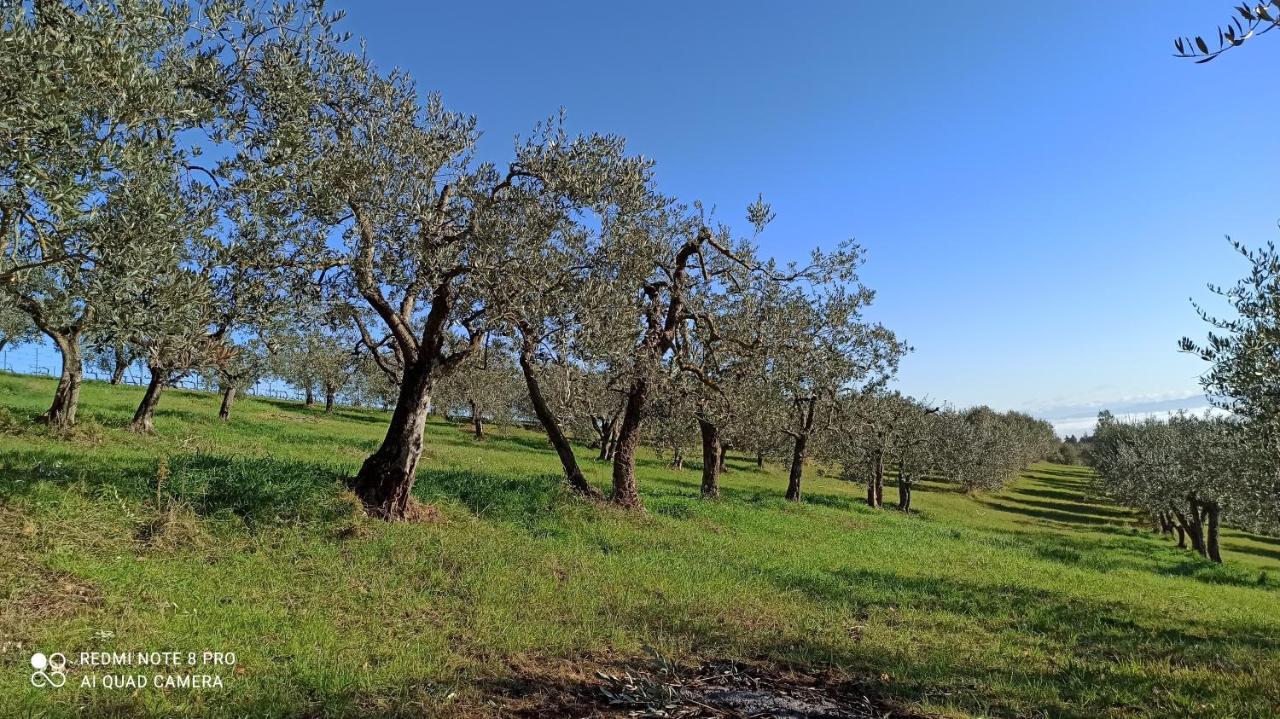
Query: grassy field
(1039,601)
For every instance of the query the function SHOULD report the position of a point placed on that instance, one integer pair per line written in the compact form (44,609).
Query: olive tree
(425,230)
(822,349)
(488,385)
(100,102)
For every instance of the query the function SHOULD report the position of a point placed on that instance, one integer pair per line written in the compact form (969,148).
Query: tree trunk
(143,418)
(798,451)
(569,462)
(228,397)
(66,398)
(1182,537)
(712,459)
(330,395)
(904,486)
(797,467)
(308,397)
(759,459)
(477,423)
(605,430)
(724,454)
(879,480)
(385,481)
(1192,528)
(1211,511)
(121,364)
(677,458)
(615,428)
(875,481)
(624,447)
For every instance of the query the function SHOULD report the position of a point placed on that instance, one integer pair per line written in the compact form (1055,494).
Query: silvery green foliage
(1243,352)
(242,365)
(981,449)
(1160,466)
(95,98)
(489,383)
(881,424)
(107,217)
(426,237)
(323,354)
(820,346)
(16,327)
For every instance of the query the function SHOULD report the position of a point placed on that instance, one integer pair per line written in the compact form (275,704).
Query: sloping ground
(1038,601)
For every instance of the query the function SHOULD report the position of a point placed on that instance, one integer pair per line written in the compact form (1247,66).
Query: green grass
(1037,601)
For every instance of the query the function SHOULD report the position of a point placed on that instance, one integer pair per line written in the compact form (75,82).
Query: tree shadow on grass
(1127,551)
(1091,637)
(1252,536)
(1084,510)
(526,500)
(1271,554)
(258,491)
(1003,504)
(1060,494)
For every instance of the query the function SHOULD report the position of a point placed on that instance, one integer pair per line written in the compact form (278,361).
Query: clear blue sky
(1040,186)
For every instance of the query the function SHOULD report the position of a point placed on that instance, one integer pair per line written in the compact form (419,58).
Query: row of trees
(346,225)
(1187,473)
(1190,474)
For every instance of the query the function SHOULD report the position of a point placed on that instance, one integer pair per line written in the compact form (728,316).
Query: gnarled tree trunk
(385,481)
(1190,525)
(712,456)
(875,481)
(330,396)
(624,448)
(228,397)
(604,432)
(569,462)
(759,459)
(797,467)
(798,451)
(1211,512)
(308,396)
(144,417)
(119,366)
(66,398)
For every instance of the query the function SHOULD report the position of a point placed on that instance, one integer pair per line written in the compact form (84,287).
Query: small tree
(240,368)
(487,385)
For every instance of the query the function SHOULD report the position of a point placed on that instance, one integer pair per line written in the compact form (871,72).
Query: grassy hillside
(237,537)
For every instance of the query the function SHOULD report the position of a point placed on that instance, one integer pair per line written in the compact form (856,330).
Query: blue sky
(1040,186)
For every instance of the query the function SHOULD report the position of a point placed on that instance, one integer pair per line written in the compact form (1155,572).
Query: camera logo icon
(50,671)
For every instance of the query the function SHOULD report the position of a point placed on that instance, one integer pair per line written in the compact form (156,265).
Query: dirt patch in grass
(658,689)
